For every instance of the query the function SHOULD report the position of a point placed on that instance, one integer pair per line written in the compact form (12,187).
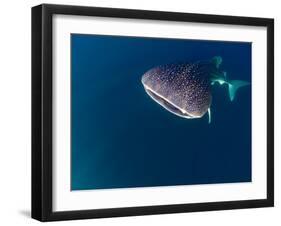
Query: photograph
(159,112)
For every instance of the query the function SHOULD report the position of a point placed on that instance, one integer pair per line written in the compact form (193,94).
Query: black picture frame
(42,111)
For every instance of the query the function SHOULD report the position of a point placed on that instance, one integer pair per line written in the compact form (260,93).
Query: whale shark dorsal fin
(217,60)
(209,114)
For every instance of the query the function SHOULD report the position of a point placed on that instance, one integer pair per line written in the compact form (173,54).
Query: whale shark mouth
(168,105)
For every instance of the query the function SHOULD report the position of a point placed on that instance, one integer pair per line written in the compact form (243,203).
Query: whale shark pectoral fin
(233,86)
(218,80)
(209,114)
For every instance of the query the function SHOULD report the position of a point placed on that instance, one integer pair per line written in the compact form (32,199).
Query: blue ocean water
(121,138)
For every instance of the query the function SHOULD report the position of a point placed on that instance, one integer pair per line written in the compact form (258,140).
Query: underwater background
(121,138)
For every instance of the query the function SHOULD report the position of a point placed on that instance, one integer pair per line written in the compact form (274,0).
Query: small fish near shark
(184,89)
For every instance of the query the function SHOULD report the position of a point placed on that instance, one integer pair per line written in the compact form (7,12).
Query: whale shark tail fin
(234,85)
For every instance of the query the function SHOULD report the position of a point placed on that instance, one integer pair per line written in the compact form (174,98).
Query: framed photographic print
(145,112)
